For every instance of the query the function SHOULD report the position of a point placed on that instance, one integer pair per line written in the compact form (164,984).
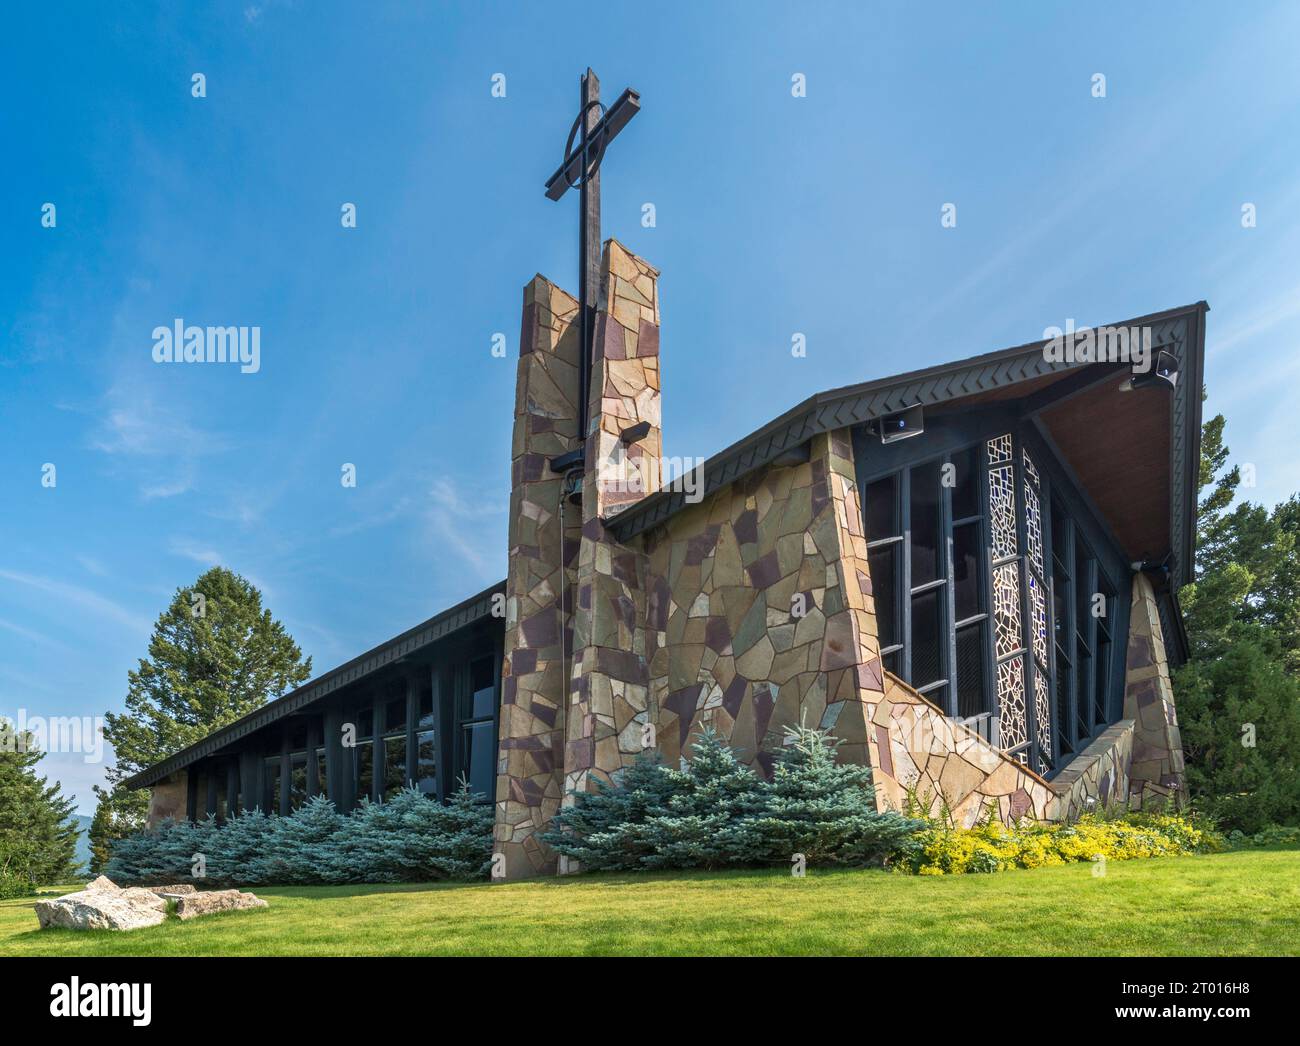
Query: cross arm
(615,119)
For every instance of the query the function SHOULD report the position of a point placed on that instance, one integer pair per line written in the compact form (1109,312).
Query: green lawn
(1239,903)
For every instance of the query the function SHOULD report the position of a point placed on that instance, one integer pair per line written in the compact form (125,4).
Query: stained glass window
(1013,723)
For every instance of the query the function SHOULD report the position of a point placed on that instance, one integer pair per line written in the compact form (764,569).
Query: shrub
(942,849)
(715,812)
(409,838)
(14,885)
(1273,835)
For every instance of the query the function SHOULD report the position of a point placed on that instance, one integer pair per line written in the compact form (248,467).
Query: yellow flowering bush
(942,849)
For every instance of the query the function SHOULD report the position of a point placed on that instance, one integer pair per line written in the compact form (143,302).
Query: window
(426,749)
(924,547)
(271,784)
(476,721)
(988,596)
(394,747)
(297,780)
(363,754)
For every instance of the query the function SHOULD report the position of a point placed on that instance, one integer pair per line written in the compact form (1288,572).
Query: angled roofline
(1182,329)
(387,653)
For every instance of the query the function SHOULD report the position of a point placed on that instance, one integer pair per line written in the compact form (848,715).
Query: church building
(966,573)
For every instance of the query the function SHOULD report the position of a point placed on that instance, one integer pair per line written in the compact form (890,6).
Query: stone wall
(748,612)
(760,612)
(609,696)
(918,753)
(1156,776)
(540,582)
(169,798)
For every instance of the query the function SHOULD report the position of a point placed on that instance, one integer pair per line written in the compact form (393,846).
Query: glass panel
(395,715)
(364,721)
(881,509)
(1006,609)
(322,779)
(364,764)
(1082,662)
(1012,728)
(271,785)
(928,635)
(1058,528)
(1043,715)
(297,779)
(1082,588)
(965,491)
(1038,618)
(480,703)
(965,567)
(221,795)
(1033,517)
(426,762)
(971,650)
(893,662)
(1002,511)
(927,561)
(394,765)
(881,563)
(1059,590)
(1063,704)
(426,710)
(1101,676)
(999,449)
(479,757)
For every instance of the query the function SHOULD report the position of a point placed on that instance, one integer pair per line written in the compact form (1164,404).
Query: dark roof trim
(1183,327)
(437,627)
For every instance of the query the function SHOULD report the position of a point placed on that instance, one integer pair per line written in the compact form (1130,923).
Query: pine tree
(716,791)
(601,830)
(819,808)
(214,656)
(37,836)
(297,847)
(1238,698)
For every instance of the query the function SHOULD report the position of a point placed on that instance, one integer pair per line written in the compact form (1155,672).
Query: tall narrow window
(426,749)
(476,713)
(1009,643)
(394,747)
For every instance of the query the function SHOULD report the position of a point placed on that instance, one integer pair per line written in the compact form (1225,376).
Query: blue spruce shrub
(819,808)
(716,812)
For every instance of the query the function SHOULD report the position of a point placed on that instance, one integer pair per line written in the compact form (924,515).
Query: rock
(172,891)
(103,905)
(192,905)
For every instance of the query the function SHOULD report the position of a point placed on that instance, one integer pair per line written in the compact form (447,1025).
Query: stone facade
(1156,775)
(747,612)
(169,798)
(544,533)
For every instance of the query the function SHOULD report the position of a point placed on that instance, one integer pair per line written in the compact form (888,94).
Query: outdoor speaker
(903,425)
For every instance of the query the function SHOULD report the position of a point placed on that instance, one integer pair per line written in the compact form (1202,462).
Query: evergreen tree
(712,793)
(602,828)
(215,655)
(1240,716)
(296,847)
(38,838)
(819,808)
(1238,697)
(237,849)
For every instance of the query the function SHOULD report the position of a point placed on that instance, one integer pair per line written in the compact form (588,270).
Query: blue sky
(775,215)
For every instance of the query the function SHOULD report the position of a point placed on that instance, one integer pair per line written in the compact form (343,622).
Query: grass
(1236,903)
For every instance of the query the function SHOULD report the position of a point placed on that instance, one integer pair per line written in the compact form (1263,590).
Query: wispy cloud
(157,443)
(68,596)
(458,521)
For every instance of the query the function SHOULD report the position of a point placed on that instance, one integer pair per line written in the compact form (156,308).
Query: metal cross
(592,132)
